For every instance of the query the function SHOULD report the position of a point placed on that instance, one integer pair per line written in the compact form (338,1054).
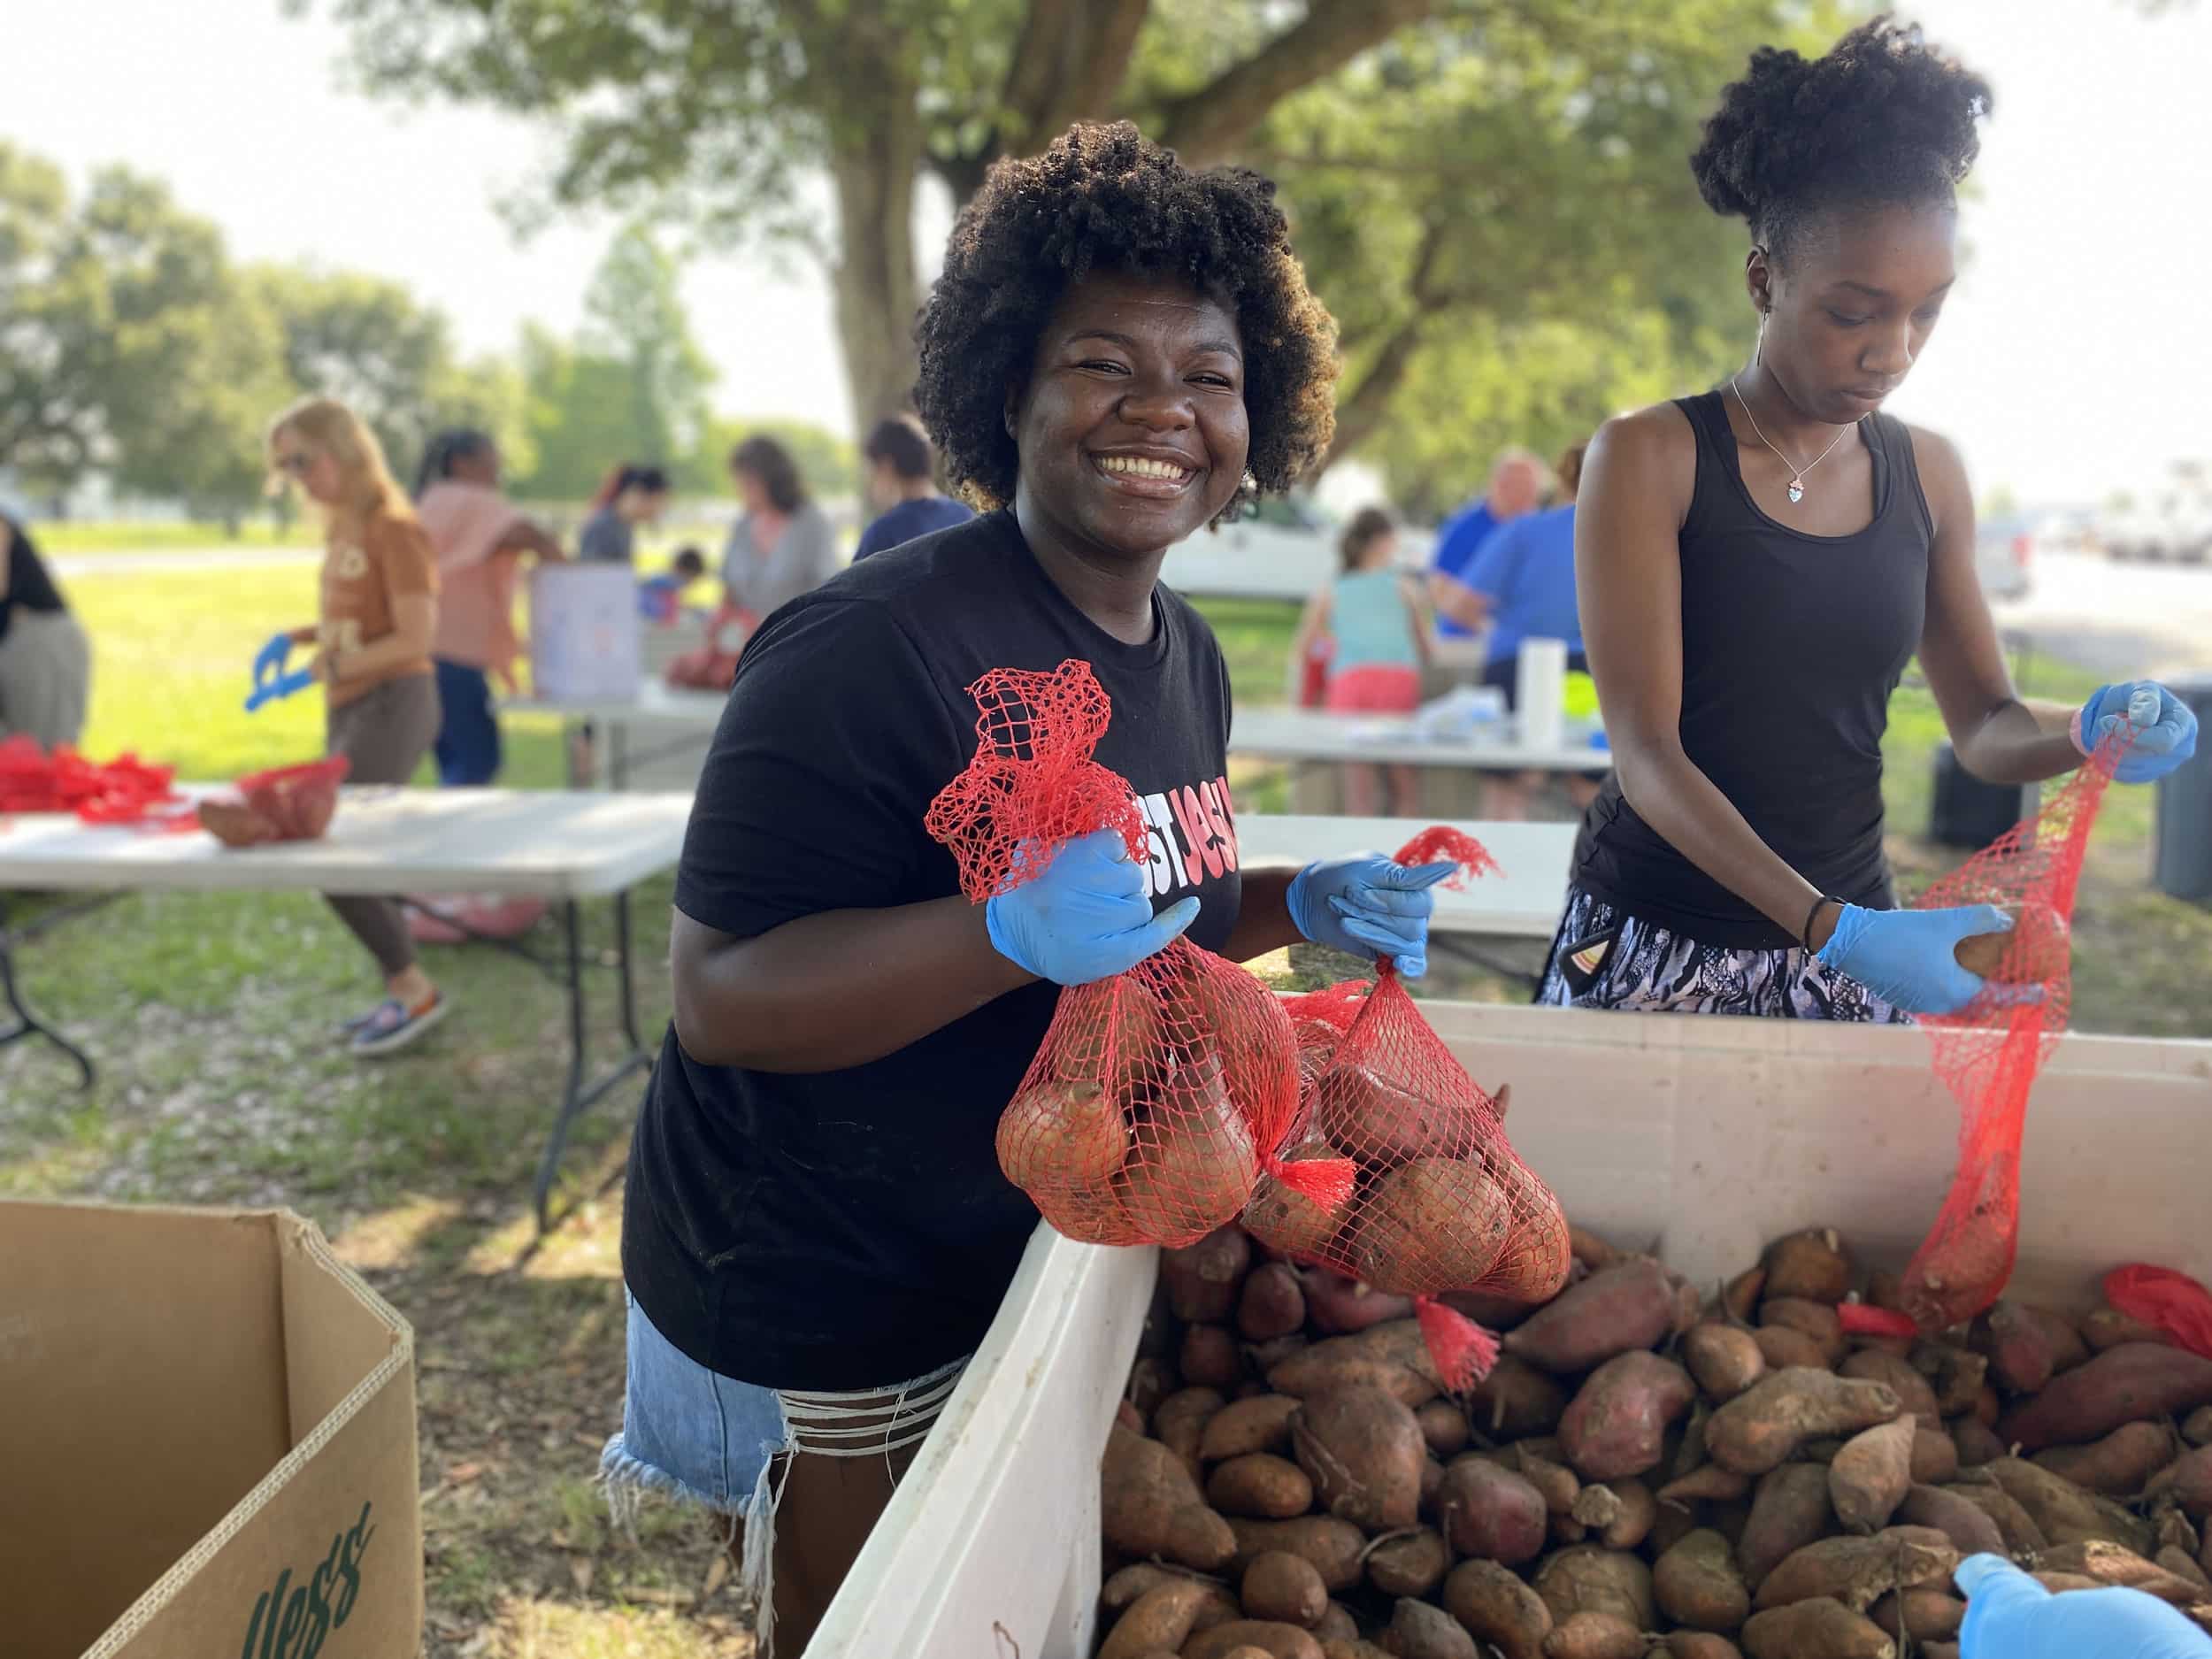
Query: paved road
(2118,619)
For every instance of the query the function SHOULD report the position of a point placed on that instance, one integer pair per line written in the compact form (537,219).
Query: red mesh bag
(1989,1052)
(1442,1203)
(1158,1096)
(2175,1303)
(292,804)
(125,790)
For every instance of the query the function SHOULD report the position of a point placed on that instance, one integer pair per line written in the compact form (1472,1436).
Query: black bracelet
(1805,934)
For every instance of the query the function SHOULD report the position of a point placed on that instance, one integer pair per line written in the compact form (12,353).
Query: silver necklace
(1797,473)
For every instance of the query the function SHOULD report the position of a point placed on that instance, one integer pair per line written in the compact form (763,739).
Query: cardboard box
(207,1431)
(584,634)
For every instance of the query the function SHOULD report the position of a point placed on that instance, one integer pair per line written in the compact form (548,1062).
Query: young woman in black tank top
(1758,565)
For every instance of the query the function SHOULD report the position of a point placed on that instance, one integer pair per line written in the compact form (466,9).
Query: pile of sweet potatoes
(1646,1474)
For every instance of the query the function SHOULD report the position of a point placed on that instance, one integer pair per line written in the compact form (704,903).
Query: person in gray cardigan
(782,545)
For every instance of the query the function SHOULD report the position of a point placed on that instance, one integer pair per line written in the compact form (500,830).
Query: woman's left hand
(2165,727)
(1369,906)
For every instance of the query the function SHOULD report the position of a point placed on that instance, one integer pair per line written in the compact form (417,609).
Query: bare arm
(524,535)
(1454,599)
(1263,921)
(1636,485)
(1998,737)
(1421,615)
(833,990)
(1312,621)
(414,619)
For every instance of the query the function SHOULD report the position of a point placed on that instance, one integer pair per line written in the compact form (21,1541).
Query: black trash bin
(2183,864)
(1969,813)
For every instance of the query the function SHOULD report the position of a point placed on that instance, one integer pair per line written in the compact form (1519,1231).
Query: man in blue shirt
(1516,484)
(900,482)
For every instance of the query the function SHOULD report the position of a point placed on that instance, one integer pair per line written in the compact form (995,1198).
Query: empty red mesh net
(1989,1052)
(2174,1303)
(1158,1096)
(1441,1202)
(125,790)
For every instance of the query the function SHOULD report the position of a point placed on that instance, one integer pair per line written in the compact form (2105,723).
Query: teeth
(1143,466)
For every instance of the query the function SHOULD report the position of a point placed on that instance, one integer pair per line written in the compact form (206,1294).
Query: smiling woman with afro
(817,1230)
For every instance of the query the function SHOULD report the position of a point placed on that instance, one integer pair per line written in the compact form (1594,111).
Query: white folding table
(694,714)
(1316,734)
(561,846)
(1522,899)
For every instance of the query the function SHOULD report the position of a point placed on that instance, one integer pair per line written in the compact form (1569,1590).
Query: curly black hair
(1104,199)
(1884,120)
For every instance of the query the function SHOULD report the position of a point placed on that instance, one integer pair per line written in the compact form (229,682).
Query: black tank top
(1791,646)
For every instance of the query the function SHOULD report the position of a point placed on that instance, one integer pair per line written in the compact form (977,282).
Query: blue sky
(2075,357)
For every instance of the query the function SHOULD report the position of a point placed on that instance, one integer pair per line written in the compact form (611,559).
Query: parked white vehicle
(2004,556)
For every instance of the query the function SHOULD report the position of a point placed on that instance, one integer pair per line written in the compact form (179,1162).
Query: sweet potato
(1180,1424)
(2187,1484)
(2027,1345)
(1870,1476)
(1152,1507)
(1816,1628)
(1354,1650)
(2013,1524)
(1812,1265)
(1123,1589)
(1696,1584)
(1261,1424)
(1260,1487)
(1708,1484)
(2196,1428)
(1429,1224)
(1619,1307)
(2064,1513)
(1900,1377)
(1616,1424)
(1208,1357)
(1277,1641)
(1159,1621)
(1970,1527)
(1696,1644)
(1935,1457)
(1335,1548)
(1336,1624)
(1763,1426)
(1285,1219)
(1724,1360)
(1364,1453)
(1283,1589)
(2131,1383)
(1855,1570)
(1978,1443)
(2109,1563)
(1740,1296)
(1784,1348)
(1203,1280)
(1431,1484)
(1489,1511)
(1444,1426)
(2036,948)
(1419,1630)
(1957,1375)
(1499,1608)
(2119,1465)
(1789,1511)
(1407,1564)
(2103,1328)
(1392,1357)
(1621,1512)
(1923,1614)
(1338,1306)
(1272,1303)
(1816,1319)
(1555,1480)
(1186,1178)
(1595,1253)
(1055,1136)
(1594,1636)
(1585,1579)
(1515,1400)
(1378,1122)
(2183,1564)
(1538,1260)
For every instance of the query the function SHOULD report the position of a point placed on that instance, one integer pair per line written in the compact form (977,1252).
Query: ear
(1012,416)
(1758,278)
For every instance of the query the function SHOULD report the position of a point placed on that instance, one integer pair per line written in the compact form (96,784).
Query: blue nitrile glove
(1085,917)
(1370,906)
(2165,727)
(269,662)
(2009,1616)
(1904,957)
(283,685)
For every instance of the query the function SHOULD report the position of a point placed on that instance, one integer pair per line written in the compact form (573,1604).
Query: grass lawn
(221,1083)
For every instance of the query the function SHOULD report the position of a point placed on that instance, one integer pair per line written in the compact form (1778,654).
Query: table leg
(617,755)
(578,1094)
(25,1023)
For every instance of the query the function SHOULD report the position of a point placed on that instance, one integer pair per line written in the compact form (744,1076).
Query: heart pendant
(1797,490)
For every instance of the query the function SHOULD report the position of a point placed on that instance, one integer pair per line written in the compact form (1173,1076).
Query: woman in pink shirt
(478,537)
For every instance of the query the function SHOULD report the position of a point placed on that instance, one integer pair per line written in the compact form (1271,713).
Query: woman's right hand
(2009,1616)
(1906,957)
(1086,916)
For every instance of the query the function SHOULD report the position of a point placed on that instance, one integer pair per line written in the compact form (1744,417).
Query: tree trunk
(874,281)
(1360,411)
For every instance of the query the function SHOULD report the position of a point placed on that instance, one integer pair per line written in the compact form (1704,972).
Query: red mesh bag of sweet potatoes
(1989,1052)
(1158,1096)
(1441,1202)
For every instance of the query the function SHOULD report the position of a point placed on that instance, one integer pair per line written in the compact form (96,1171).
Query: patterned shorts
(1603,959)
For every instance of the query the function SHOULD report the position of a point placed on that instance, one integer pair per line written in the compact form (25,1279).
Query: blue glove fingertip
(1414,877)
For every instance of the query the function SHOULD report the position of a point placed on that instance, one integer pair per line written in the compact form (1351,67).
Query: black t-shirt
(30,586)
(851,1230)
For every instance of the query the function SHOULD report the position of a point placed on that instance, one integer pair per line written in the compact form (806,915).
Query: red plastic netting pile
(125,790)
(1989,1052)
(1159,1095)
(1442,1203)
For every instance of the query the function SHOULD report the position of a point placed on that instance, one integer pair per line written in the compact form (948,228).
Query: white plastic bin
(1704,1137)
